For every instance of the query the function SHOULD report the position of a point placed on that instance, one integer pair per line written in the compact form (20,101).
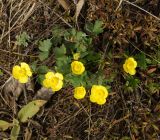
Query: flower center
(22,72)
(81,91)
(55,81)
(77,67)
(130,65)
(101,93)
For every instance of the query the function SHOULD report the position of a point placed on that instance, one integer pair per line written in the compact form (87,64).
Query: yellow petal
(99,94)
(47,83)
(23,79)
(133,61)
(132,71)
(99,90)
(58,86)
(79,92)
(27,68)
(130,65)
(59,75)
(101,101)
(77,67)
(93,99)
(94,96)
(49,75)
(104,91)
(125,68)
(15,71)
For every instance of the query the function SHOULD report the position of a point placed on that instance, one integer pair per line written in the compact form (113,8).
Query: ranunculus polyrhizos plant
(130,66)
(79,92)
(22,72)
(77,67)
(53,80)
(99,94)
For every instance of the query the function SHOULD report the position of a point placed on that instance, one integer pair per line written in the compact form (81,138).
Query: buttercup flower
(76,56)
(22,72)
(53,80)
(79,92)
(77,67)
(130,66)
(98,94)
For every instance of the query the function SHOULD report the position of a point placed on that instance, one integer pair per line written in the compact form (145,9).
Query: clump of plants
(77,63)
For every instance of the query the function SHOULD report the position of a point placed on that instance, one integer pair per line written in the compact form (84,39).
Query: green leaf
(15,130)
(57,35)
(45,45)
(74,80)
(95,28)
(141,60)
(29,110)
(43,55)
(42,69)
(4,125)
(98,27)
(34,66)
(80,35)
(60,51)
(58,31)
(132,82)
(40,78)
(63,64)
(22,39)
(1,72)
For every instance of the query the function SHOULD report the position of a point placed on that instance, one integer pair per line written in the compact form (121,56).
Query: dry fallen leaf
(64,4)
(28,134)
(151,70)
(44,94)
(13,87)
(30,86)
(79,8)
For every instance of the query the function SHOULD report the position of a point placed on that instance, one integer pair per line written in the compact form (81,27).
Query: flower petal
(59,75)
(133,61)
(46,83)
(101,101)
(23,79)
(132,71)
(27,68)
(49,75)
(15,71)
(58,86)
(125,68)
(79,92)
(77,67)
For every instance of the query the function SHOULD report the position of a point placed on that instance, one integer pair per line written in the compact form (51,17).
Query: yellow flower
(98,94)
(130,66)
(22,72)
(79,92)
(77,67)
(53,80)
(76,56)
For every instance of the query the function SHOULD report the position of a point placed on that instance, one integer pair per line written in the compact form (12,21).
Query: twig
(119,4)
(15,53)
(143,52)
(141,9)
(57,15)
